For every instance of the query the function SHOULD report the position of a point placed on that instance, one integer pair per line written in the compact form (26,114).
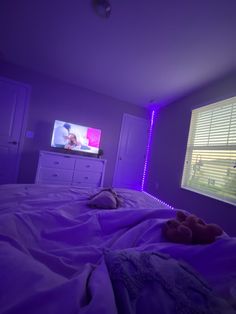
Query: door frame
(120,141)
(24,121)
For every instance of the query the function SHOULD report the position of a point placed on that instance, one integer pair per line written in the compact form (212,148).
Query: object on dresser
(57,168)
(106,198)
(75,137)
(100,153)
(190,229)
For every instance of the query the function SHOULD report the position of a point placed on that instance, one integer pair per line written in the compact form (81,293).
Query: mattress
(52,248)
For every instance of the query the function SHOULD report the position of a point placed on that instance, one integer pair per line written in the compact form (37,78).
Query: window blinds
(210,161)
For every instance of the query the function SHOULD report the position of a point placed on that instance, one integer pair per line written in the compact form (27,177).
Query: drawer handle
(56,162)
(55,175)
(87,166)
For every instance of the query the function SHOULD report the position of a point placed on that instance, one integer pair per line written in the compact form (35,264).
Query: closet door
(13,104)
(131,152)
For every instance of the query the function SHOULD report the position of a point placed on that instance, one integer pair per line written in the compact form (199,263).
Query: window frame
(190,147)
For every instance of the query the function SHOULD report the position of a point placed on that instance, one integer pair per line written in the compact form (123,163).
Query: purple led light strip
(148,149)
(157,199)
(153,116)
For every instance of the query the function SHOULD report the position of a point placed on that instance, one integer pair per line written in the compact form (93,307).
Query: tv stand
(58,168)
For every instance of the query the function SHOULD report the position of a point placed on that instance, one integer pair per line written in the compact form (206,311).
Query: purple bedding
(52,250)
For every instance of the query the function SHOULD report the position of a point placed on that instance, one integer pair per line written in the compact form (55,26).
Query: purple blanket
(151,282)
(52,250)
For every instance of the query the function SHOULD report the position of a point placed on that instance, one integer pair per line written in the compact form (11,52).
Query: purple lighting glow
(153,116)
(157,199)
(148,148)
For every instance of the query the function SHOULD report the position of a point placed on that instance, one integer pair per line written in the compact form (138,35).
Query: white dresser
(57,168)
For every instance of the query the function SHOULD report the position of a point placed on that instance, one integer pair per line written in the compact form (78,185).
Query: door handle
(13,142)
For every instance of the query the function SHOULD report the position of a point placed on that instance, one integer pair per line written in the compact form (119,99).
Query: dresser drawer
(87,177)
(89,165)
(55,175)
(57,168)
(62,162)
(86,185)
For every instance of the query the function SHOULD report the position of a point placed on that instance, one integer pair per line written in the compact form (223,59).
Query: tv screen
(75,137)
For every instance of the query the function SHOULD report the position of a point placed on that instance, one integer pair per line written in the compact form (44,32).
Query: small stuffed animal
(190,229)
(177,232)
(105,199)
(202,232)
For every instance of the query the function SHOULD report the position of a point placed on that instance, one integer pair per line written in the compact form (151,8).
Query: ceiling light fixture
(102,8)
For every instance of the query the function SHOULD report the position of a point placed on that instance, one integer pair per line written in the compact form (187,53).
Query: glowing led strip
(157,199)
(153,116)
(148,149)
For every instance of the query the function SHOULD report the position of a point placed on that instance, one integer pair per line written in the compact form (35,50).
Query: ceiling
(147,50)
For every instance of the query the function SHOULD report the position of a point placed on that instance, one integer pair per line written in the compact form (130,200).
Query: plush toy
(190,229)
(105,199)
(176,232)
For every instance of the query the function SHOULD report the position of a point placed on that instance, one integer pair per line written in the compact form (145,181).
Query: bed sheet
(35,196)
(52,248)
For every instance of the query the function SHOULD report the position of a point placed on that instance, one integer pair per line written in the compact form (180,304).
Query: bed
(58,255)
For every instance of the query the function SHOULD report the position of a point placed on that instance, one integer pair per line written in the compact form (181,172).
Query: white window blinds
(210,161)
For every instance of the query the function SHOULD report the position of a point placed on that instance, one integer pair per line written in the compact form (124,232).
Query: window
(210,161)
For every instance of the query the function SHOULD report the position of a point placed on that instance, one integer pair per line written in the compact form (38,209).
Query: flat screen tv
(74,137)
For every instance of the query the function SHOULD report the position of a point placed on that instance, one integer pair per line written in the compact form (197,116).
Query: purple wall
(168,154)
(53,99)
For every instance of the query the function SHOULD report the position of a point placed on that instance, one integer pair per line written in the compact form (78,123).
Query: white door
(13,104)
(131,152)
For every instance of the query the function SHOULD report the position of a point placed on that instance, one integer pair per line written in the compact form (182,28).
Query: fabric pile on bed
(150,282)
